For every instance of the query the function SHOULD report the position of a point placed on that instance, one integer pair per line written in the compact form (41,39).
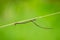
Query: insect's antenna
(39,26)
(24,22)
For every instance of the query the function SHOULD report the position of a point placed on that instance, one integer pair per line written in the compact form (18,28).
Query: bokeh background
(18,10)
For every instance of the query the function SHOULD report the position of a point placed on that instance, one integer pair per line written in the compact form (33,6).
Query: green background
(18,10)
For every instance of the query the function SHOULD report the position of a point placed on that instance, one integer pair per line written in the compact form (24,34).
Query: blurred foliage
(17,10)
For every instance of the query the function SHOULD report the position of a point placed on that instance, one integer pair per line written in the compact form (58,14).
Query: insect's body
(27,21)
(32,20)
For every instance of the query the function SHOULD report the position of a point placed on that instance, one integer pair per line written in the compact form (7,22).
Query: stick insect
(33,21)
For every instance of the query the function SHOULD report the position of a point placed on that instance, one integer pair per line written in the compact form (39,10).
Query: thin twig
(29,19)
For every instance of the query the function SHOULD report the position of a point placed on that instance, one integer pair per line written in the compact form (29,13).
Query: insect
(33,21)
(27,21)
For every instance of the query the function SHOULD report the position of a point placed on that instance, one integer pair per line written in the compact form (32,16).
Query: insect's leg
(39,26)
